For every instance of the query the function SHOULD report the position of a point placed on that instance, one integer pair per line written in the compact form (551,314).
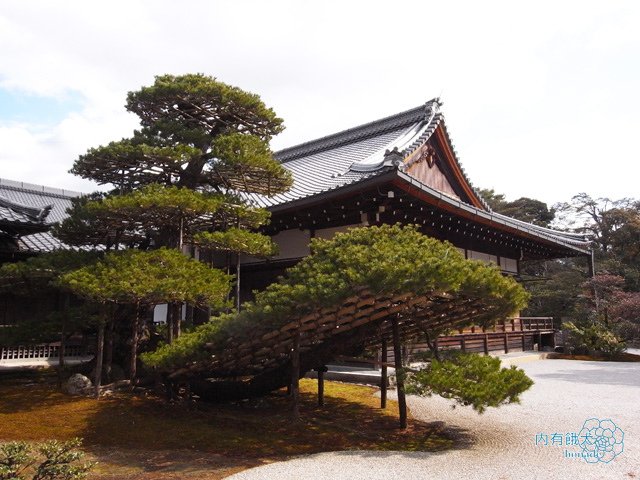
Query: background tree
(526,209)
(606,304)
(38,277)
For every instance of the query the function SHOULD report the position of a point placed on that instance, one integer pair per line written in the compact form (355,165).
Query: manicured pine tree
(202,149)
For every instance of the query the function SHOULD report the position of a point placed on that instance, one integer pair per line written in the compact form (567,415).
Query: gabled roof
(358,153)
(30,201)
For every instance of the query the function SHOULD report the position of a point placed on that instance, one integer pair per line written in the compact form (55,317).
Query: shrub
(51,460)
(594,338)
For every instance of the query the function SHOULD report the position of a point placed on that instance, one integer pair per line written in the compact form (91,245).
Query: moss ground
(143,437)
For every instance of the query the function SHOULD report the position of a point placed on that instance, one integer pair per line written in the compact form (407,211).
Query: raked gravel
(500,444)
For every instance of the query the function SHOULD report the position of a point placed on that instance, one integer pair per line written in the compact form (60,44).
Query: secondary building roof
(35,208)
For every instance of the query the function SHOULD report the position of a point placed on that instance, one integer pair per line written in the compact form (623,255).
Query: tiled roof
(34,198)
(355,154)
(337,161)
(324,165)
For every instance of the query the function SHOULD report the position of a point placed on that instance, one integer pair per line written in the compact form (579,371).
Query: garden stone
(78,384)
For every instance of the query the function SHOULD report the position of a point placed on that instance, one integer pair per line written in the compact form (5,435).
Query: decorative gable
(425,166)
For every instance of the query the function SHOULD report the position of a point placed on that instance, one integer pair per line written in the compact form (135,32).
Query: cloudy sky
(541,98)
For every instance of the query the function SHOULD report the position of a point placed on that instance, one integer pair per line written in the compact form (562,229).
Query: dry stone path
(503,441)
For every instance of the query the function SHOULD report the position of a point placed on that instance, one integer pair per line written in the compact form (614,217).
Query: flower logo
(600,440)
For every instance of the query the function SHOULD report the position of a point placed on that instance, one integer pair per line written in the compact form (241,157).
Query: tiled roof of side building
(37,197)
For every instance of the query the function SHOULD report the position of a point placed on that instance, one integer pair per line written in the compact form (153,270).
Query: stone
(78,384)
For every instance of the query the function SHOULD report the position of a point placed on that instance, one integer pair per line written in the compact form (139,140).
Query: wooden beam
(397,356)
(383,375)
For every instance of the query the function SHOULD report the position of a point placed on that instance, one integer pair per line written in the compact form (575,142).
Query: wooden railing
(535,323)
(511,333)
(39,352)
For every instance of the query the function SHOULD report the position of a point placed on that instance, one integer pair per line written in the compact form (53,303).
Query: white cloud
(536,95)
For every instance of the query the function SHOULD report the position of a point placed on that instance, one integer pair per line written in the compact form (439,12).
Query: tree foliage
(470,379)
(148,278)
(41,272)
(385,260)
(237,240)
(197,132)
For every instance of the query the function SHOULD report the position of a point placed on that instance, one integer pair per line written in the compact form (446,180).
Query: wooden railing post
(486,344)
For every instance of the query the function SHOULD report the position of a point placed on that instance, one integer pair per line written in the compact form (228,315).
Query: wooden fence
(40,352)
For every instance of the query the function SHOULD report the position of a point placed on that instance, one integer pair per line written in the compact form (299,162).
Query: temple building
(403,168)
(399,169)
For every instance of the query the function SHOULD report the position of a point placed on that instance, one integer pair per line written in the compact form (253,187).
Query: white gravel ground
(500,444)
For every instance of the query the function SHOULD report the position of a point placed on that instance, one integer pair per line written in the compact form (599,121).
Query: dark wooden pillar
(295,377)
(506,342)
(383,375)
(397,358)
(524,342)
(486,344)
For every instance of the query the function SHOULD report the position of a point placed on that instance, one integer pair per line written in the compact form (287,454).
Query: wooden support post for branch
(133,353)
(321,371)
(295,377)
(170,320)
(99,350)
(383,375)
(486,344)
(506,342)
(177,319)
(63,337)
(397,358)
(238,284)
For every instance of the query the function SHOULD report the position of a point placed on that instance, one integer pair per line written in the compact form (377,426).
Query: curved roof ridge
(360,132)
